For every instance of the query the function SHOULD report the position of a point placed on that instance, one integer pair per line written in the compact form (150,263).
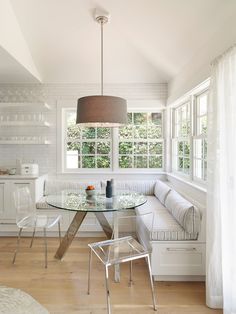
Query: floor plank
(62,288)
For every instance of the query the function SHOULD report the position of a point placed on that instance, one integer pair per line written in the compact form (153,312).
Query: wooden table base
(74,227)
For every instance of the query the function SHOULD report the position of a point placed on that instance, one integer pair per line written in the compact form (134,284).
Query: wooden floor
(62,287)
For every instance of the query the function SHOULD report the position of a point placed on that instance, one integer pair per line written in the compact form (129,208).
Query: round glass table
(79,202)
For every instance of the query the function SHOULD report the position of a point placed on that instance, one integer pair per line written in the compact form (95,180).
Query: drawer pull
(189,249)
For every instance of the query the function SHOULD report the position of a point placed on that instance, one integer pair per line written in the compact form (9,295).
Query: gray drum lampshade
(99,110)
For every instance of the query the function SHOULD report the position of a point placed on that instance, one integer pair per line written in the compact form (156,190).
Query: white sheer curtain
(221,199)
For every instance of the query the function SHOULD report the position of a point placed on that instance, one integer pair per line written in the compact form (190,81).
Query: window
(199,140)
(189,137)
(137,145)
(140,142)
(181,142)
(86,147)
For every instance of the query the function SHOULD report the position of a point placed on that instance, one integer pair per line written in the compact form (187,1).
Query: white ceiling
(147,41)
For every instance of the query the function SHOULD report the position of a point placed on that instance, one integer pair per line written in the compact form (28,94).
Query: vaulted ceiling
(146,41)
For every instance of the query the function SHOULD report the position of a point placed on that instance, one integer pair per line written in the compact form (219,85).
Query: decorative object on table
(19,302)
(12,171)
(100,110)
(113,187)
(3,172)
(109,189)
(90,190)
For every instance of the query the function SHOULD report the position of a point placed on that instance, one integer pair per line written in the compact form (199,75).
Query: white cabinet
(7,188)
(178,258)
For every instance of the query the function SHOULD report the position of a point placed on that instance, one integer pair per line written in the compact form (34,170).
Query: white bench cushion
(165,227)
(184,212)
(161,191)
(55,186)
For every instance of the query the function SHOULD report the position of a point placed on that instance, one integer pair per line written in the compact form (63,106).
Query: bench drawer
(174,259)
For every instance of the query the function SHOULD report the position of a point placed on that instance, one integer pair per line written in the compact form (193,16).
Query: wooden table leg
(70,234)
(104,224)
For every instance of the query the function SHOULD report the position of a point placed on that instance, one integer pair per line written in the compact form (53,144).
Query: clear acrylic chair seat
(26,217)
(123,249)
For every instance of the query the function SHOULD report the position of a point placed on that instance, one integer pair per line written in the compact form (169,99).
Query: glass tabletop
(79,201)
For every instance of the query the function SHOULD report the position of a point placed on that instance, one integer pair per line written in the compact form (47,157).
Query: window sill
(186,181)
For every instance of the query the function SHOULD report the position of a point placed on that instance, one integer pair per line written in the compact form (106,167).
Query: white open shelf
(24,123)
(25,142)
(25,104)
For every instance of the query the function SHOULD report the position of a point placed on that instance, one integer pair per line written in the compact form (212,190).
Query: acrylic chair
(26,217)
(123,248)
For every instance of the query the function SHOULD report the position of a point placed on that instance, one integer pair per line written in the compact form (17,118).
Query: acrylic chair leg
(89,270)
(151,283)
(130,273)
(45,247)
(17,246)
(59,230)
(32,240)
(107,290)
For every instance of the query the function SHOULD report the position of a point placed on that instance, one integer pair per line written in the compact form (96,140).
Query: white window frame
(196,133)
(192,98)
(61,138)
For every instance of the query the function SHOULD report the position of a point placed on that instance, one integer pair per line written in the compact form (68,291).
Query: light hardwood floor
(62,288)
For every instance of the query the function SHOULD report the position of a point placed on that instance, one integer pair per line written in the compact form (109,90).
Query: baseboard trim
(178,278)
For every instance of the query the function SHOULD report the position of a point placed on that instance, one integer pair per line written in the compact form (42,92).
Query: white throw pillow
(188,216)
(161,191)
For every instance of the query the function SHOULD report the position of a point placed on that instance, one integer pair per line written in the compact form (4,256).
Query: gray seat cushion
(188,216)
(165,226)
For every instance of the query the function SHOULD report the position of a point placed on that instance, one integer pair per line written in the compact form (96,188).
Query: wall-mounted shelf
(37,105)
(24,123)
(24,142)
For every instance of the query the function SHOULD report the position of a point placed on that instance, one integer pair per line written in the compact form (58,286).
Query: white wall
(198,68)
(144,96)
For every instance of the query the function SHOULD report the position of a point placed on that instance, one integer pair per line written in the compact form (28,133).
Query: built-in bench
(177,253)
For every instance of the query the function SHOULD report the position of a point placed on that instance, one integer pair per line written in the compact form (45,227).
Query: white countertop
(18,177)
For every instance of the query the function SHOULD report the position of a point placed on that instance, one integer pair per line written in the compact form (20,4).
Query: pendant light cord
(101,57)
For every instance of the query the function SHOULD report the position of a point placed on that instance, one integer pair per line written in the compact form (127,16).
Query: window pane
(126,132)
(140,161)
(125,162)
(140,118)
(203,125)
(140,131)
(73,146)
(103,148)
(73,131)
(186,149)
(186,165)
(180,151)
(103,162)
(88,162)
(155,162)
(155,118)
(88,133)
(88,148)
(103,132)
(125,148)
(140,148)
(154,132)
(130,117)
(155,148)
(180,164)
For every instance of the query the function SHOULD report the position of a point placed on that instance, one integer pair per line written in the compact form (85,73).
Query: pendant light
(101,110)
